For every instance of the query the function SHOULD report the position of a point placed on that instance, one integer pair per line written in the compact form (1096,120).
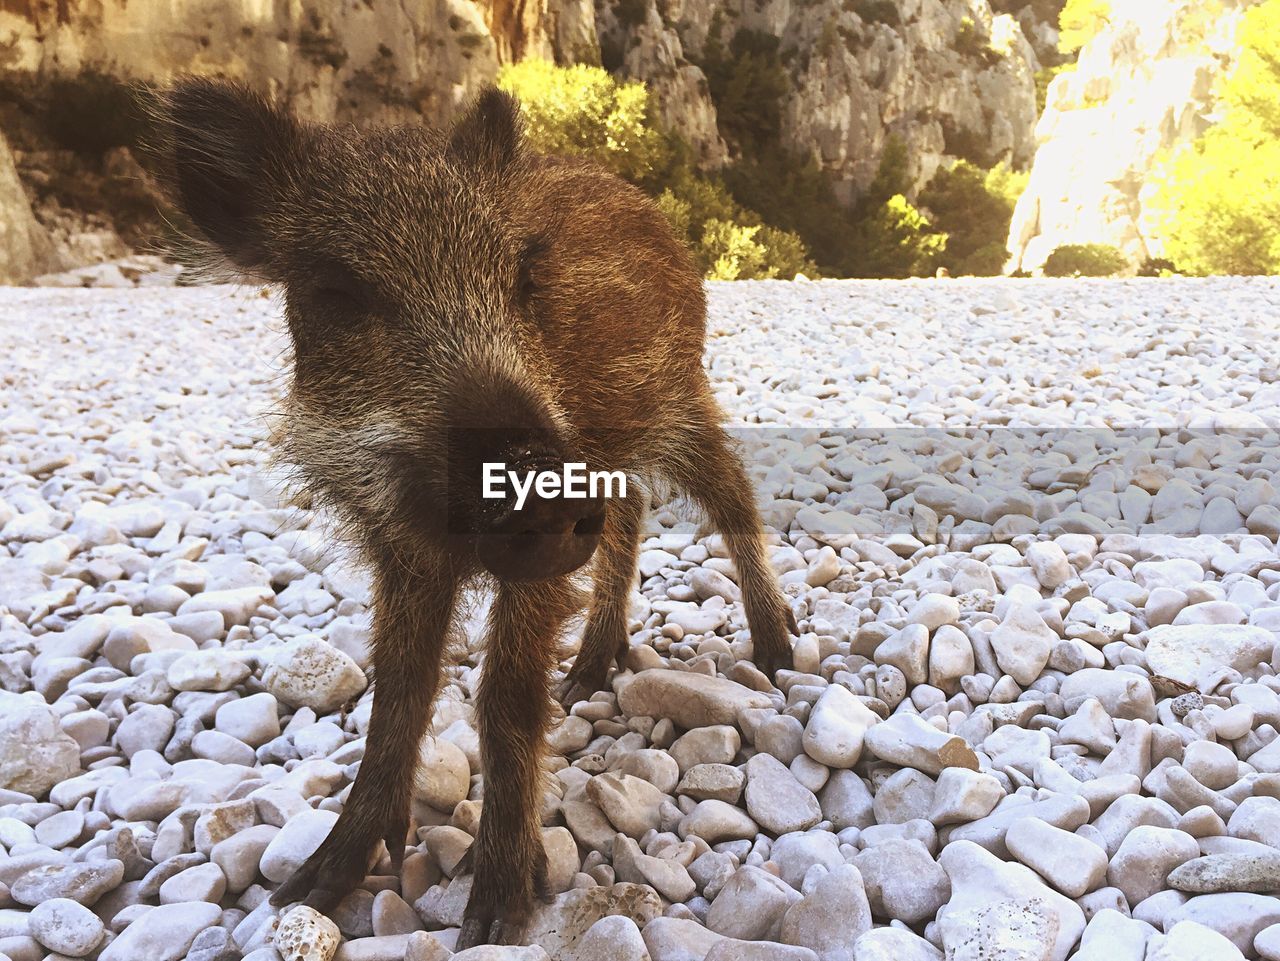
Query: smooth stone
(903,881)
(66,927)
(1217,873)
(776,800)
(751,905)
(1189,941)
(1202,654)
(83,883)
(35,753)
(690,700)
(1070,863)
(164,933)
(991,899)
(1237,916)
(910,741)
(837,727)
(832,914)
(1141,865)
(296,842)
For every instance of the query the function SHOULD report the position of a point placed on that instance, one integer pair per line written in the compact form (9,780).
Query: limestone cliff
(25,247)
(946,76)
(1145,84)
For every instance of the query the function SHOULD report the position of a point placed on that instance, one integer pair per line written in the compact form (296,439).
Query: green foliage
(1085,260)
(1217,202)
(1081,21)
(729,241)
(738,252)
(1003,181)
(748,82)
(892,175)
(973,208)
(795,194)
(770,213)
(582,111)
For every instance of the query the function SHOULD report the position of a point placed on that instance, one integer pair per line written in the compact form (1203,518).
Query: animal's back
(615,288)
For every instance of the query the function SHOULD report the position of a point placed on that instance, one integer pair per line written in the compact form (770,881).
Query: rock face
(25,248)
(947,78)
(1143,86)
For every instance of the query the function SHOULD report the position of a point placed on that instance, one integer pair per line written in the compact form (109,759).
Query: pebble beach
(1028,530)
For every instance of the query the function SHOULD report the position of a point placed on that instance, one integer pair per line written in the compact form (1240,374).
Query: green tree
(747,82)
(897,241)
(583,111)
(973,208)
(1216,205)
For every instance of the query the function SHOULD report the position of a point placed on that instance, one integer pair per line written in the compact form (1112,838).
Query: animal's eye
(337,289)
(527,281)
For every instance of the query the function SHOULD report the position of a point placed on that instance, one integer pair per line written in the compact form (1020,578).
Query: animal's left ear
(487,136)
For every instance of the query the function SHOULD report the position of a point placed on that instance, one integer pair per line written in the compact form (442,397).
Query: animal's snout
(544,527)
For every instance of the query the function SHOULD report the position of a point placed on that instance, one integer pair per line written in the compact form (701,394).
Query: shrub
(1085,260)
(1081,21)
(795,194)
(728,241)
(582,111)
(735,251)
(1216,205)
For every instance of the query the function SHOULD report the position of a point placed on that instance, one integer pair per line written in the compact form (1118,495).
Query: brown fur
(441,289)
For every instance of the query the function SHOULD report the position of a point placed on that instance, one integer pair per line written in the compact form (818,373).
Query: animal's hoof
(502,901)
(484,924)
(574,689)
(770,663)
(328,876)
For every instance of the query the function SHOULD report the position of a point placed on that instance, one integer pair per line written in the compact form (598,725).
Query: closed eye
(335,287)
(530,255)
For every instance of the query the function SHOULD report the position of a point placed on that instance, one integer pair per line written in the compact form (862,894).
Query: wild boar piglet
(454,301)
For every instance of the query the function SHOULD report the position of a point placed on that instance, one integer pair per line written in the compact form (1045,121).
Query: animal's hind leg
(604,640)
(701,462)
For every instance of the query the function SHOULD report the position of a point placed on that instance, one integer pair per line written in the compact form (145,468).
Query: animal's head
(410,266)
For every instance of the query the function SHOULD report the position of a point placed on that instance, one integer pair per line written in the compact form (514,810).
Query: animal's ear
(487,136)
(226,147)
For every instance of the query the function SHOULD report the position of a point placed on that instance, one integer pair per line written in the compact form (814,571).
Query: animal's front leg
(514,704)
(411,618)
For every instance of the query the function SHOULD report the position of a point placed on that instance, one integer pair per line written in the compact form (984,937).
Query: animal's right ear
(225,149)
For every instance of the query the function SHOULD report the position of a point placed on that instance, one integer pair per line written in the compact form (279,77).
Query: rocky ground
(1029,533)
